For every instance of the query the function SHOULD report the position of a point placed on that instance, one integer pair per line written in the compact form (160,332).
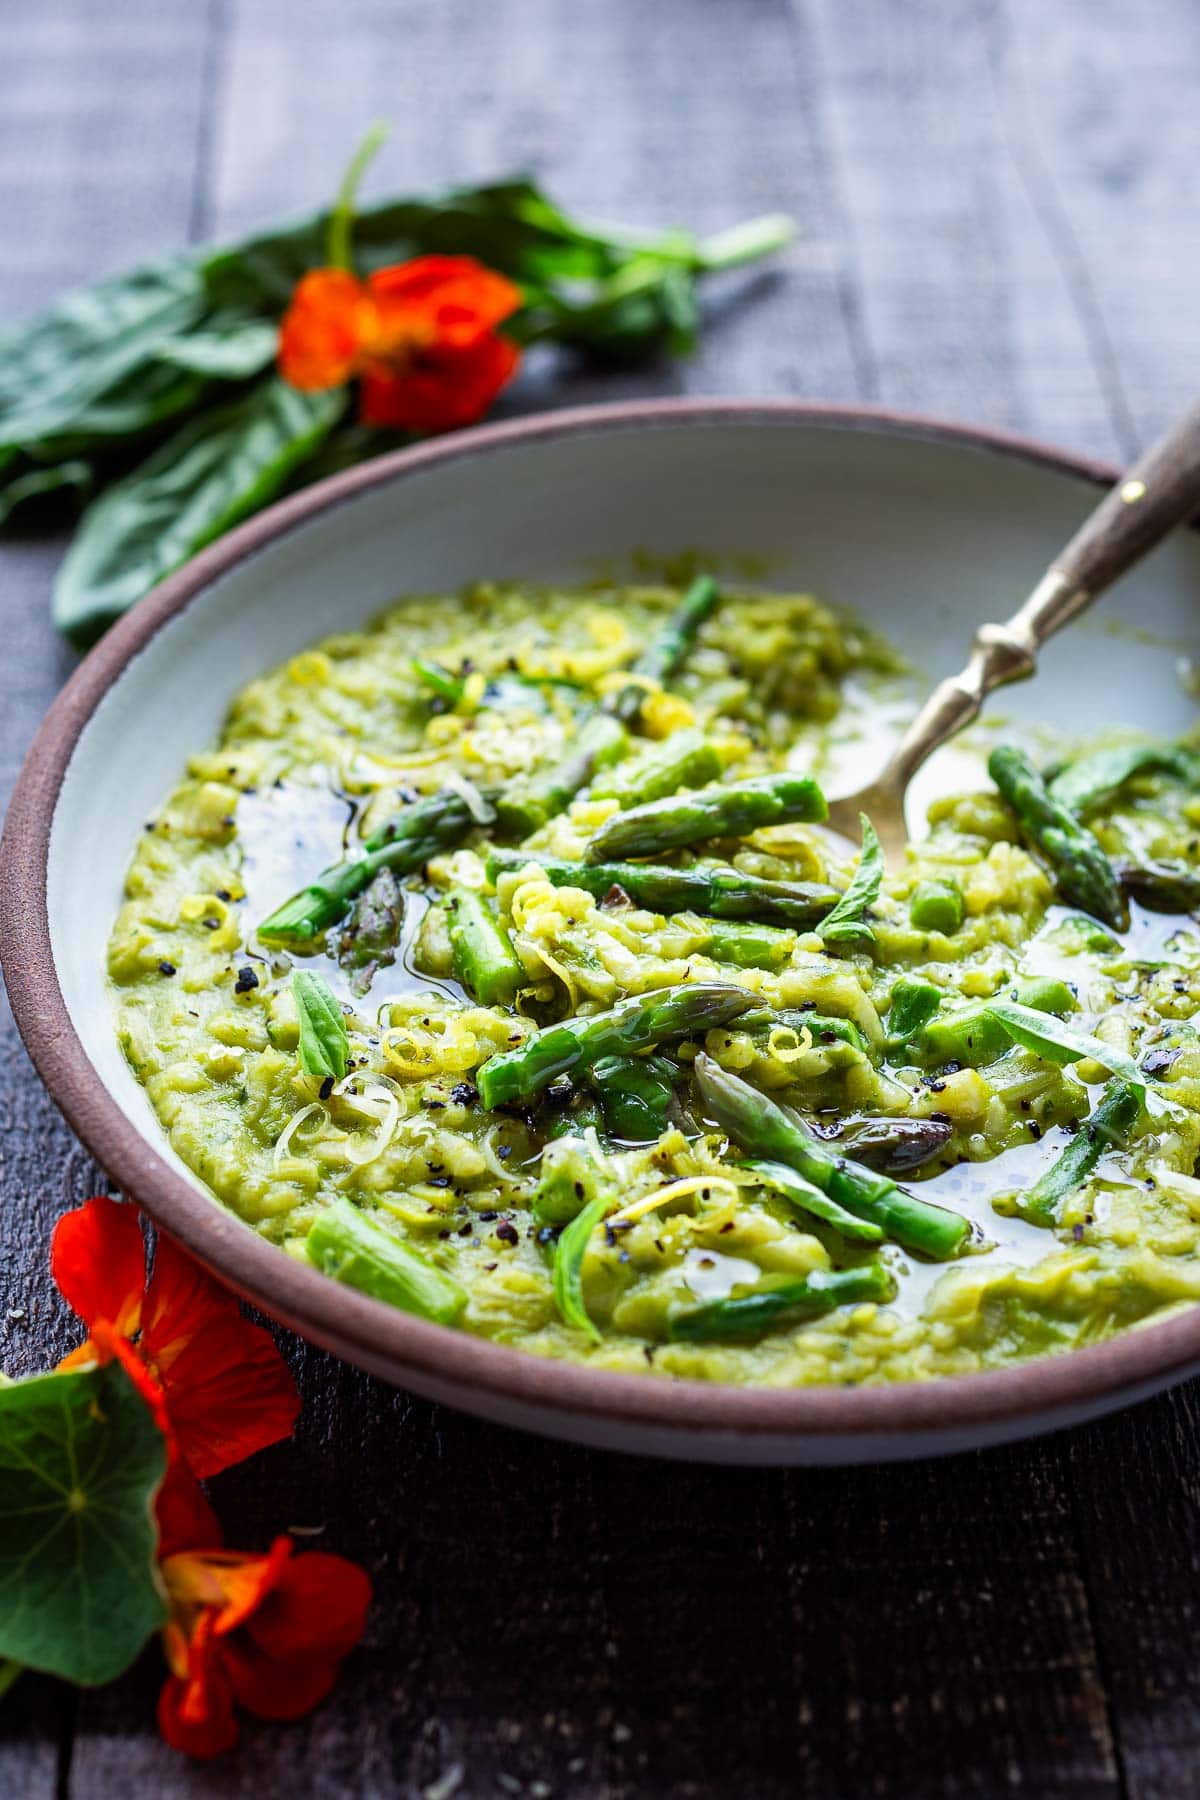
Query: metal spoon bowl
(1161,491)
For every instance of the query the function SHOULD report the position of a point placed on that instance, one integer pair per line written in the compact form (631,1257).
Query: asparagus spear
(601,737)
(635,1093)
(722,893)
(638,1023)
(524,809)
(484,959)
(729,811)
(439,680)
(1112,1119)
(896,1145)
(665,652)
(403,844)
(1083,874)
(343,1243)
(1160,887)
(1090,780)
(684,760)
(752,1314)
(369,939)
(763,1128)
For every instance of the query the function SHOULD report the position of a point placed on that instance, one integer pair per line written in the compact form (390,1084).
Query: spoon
(1162,490)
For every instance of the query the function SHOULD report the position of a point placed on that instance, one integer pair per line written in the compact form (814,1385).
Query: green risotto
(499,962)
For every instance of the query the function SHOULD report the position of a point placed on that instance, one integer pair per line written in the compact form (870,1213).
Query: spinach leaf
(36,490)
(214,472)
(96,342)
(226,347)
(847,920)
(324,1047)
(80,1461)
(509,225)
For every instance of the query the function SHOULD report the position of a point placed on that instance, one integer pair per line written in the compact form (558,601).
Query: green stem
(339,243)
(744,243)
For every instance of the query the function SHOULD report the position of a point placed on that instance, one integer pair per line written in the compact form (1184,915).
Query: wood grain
(998,205)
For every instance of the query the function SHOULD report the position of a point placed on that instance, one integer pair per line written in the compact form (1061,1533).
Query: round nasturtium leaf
(80,1462)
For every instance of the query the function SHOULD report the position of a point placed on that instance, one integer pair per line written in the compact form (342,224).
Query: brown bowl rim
(406,1350)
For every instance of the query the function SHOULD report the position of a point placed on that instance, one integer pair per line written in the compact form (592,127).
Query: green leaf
(324,1047)
(846,920)
(509,225)
(1055,1042)
(80,1461)
(39,490)
(214,472)
(94,344)
(225,348)
(568,1265)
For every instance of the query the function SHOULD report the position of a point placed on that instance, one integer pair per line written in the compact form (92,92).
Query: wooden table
(1000,204)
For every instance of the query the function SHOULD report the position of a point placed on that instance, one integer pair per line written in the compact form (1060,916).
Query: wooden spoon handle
(1162,490)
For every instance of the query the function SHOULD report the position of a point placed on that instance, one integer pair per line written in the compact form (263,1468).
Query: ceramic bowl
(922,528)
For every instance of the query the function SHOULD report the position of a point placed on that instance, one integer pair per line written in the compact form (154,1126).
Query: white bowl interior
(923,537)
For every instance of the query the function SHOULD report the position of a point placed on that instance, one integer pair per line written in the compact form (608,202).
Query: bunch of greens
(152,396)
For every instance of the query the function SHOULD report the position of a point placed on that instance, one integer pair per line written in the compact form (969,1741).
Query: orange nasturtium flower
(216,1383)
(264,1632)
(420,337)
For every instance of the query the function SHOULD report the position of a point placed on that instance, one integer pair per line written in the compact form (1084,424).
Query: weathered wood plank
(1112,156)
(969,304)
(551,1621)
(98,131)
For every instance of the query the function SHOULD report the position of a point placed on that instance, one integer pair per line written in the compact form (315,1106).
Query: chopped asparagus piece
(684,760)
(1091,780)
(344,1243)
(723,893)
(730,811)
(601,738)
(638,1023)
(936,906)
(895,1146)
(1111,1121)
(750,1315)
(1161,888)
(914,1003)
(402,845)
(484,959)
